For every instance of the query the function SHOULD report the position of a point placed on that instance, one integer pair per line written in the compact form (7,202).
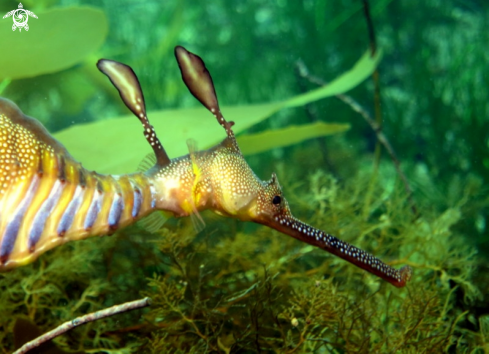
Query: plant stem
(65,327)
(382,139)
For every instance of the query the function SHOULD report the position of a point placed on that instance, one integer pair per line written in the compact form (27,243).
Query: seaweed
(243,288)
(289,304)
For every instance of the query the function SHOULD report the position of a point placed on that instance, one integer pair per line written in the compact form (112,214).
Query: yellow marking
(198,175)
(197,171)
(195,195)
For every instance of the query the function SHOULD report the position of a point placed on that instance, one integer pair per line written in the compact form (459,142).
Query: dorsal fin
(126,82)
(147,163)
(199,82)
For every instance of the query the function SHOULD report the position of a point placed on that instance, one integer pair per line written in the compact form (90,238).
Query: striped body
(47,198)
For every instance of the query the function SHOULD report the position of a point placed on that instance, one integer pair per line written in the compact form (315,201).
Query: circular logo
(20,18)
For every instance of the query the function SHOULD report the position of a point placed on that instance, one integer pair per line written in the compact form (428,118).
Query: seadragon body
(47,198)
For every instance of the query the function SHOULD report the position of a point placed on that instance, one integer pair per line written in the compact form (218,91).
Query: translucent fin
(192,149)
(153,222)
(147,162)
(197,220)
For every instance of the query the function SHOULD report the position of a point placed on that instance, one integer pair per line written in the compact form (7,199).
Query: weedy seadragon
(47,198)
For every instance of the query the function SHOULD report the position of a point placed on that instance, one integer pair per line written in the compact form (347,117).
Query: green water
(237,287)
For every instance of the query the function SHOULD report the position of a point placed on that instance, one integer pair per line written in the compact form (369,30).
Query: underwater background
(241,288)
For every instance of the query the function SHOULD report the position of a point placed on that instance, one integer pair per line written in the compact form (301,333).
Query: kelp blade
(360,71)
(117,145)
(49,47)
(270,139)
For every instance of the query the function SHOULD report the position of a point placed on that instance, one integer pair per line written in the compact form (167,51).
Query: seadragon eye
(277,200)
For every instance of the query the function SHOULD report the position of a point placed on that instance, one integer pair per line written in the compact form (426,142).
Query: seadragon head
(239,192)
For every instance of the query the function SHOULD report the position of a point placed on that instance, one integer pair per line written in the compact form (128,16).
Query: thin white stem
(65,327)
